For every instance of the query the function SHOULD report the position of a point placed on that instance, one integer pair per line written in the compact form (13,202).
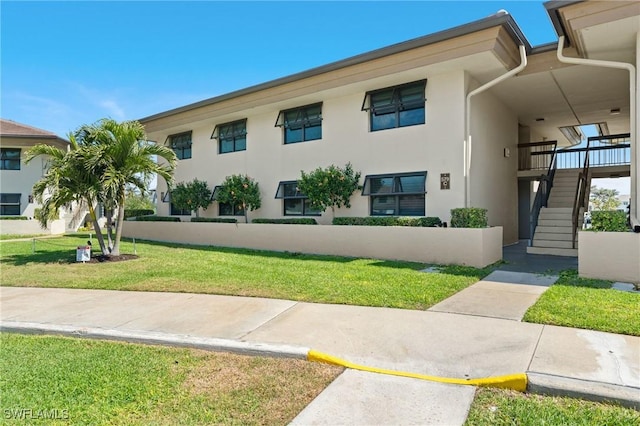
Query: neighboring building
(427,121)
(16,177)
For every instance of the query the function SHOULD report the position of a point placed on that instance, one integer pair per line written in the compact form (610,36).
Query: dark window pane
(11,210)
(382,185)
(293,206)
(411,184)
(178,212)
(412,117)
(313,133)
(241,143)
(292,135)
(382,99)
(226,145)
(412,94)
(226,209)
(309,210)
(383,121)
(290,190)
(10,198)
(411,205)
(383,206)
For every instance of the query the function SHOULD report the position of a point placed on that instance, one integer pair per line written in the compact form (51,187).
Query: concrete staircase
(555,224)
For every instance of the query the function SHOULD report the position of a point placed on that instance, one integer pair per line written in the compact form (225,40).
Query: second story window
(181,144)
(301,124)
(397,106)
(9,158)
(231,137)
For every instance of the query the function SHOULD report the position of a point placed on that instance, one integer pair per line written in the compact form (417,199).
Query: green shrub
(137,212)
(469,217)
(14,218)
(288,221)
(154,218)
(215,219)
(609,220)
(429,222)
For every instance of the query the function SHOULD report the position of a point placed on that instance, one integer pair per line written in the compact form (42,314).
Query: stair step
(544,229)
(556,210)
(552,243)
(552,236)
(553,251)
(553,223)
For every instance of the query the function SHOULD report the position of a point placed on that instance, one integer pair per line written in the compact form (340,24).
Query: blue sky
(65,64)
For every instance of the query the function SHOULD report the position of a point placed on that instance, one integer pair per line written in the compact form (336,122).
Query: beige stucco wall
(494,175)
(473,247)
(609,256)
(435,146)
(22,181)
(30,227)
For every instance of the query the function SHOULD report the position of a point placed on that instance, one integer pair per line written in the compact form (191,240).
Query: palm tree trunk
(119,223)
(109,216)
(96,227)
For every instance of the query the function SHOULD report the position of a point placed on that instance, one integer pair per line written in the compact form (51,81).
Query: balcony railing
(614,150)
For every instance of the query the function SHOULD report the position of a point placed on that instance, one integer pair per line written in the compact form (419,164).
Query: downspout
(467,130)
(633,119)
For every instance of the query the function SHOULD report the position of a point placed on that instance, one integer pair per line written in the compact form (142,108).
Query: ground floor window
(295,202)
(399,194)
(179,212)
(228,209)
(10,204)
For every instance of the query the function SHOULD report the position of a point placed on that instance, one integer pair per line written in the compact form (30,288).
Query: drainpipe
(633,119)
(467,132)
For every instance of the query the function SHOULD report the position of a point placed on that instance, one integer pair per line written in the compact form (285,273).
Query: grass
(504,407)
(197,269)
(96,382)
(4,237)
(587,303)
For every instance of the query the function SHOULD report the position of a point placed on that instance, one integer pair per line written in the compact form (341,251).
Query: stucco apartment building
(434,123)
(16,177)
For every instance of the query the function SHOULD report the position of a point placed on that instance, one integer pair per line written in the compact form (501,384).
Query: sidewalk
(476,333)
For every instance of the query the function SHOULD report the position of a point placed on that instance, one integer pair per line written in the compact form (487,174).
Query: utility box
(83,254)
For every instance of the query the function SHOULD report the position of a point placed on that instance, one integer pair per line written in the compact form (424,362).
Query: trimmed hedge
(14,218)
(469,217)
(609,221)
(154,218)
(137,213)
(289,221)
(215,219)
(428,222)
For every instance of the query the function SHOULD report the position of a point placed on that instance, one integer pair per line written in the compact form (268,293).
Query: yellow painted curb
(516,382)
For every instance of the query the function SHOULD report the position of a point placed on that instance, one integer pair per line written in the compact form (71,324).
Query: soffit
(603,30)
(569,95)
(483,54)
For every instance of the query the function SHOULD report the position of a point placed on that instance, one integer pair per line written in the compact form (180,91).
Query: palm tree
(67,180)
(124,159)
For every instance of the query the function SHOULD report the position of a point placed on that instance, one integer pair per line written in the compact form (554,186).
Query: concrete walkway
(477,333)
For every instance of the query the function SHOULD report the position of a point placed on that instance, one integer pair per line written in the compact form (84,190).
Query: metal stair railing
(542,196)
(579,200)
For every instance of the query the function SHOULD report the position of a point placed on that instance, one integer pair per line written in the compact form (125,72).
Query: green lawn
(4,237)
(95,382)
(196,269)
(586,303)
(504,407)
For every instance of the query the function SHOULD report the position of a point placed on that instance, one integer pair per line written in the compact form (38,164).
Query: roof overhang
(27,141)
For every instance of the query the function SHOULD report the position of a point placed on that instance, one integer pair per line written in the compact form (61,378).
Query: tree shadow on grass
(46,257)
